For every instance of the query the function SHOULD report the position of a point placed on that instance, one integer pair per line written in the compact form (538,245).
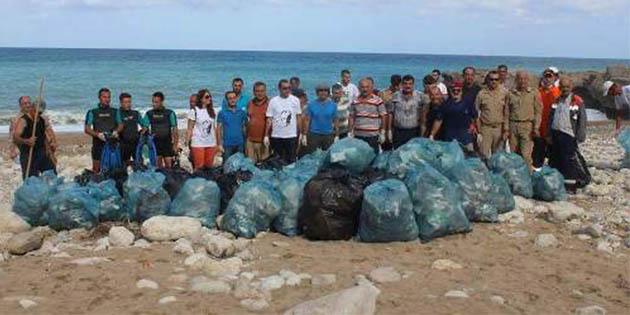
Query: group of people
(538,123)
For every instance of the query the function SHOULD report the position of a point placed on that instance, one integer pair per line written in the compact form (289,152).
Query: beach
(497,268)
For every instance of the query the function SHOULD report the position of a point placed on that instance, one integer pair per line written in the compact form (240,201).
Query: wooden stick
(37,103)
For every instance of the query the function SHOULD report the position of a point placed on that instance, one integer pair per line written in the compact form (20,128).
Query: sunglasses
(494,79)
(207,97)
(456,90)
(285,88)
(322,90)
(548,75)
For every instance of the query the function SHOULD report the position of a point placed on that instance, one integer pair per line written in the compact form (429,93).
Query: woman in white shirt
(202,134)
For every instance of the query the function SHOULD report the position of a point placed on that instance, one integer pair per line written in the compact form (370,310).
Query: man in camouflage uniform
(493,121)
(524,110)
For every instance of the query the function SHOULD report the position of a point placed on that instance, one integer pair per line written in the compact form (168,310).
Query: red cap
(457,83)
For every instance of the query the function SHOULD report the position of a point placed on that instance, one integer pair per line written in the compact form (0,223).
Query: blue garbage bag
(198,198)
(73,208)
(381,161)
(387,213)
(624,141)
(473,178)
(110,205)
(30,201)
(439,154)
(549,184)
(437,203)
(352,154)
(238,161)
(252,209)
(144,195)
(515,171)
(51,179)
(291,191)
(501,195)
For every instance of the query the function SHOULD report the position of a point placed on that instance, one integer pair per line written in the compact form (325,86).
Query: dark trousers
(401,136)
(231,150)
(39,164)
(372,141)
(541,151)
(566,158)
(318,141)
(286,148)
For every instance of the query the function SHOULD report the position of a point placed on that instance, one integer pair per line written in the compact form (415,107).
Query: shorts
(128,150)
(97,149)
(164,147)
(256,151)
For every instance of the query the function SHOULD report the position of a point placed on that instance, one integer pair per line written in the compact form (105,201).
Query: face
(157,102)
(24,103)
(436,96)
(565,87)
(337,94)
(456,92)
(295,84)
(285,89)
(503,73)
(237,86)
(303,100)
(322,94)
(231,99)
(260,92)
(125,103)
(549,78)
(345,78)
(469,76)
(206,99)
(407,86)
(366,87)
(192,101)
(522,81)
(493,81)
(435,75)
(105,98)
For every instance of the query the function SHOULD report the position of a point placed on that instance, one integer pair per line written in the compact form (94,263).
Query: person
(284,123)
(524,111)
(301,95)
(202,133)
(27,140)
(129,130)
(192,101)
(433,114)
(256,126)
(458,116)
(493,123)
(350,91)
(436,75)
(471,87)
(549,92)
(163,125)
(99,122)
(295,85)
(386,95)
(367,116)
(622,101)
(232,124)
(321,122)
(507,81)
(343,109)
(242,99)
(23,103)
(405,113)
(567,123)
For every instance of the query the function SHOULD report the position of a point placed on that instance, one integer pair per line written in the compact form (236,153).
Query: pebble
(25,242)
(512,217)
(26,303)
(280,244)
(577,294)
(196,261)
(246,255)
(546,240)
(456,294)
(141,243)
(497,299)
(291,278)
(165,228)
(242,244)
(323,279)
(178,278)
(362,280)
(255,304)
(167,299)
(183,246)
(147,284)
(561,211)
(218,245)
(626,242)
(604,246)
(384,274)
(523,203)
(445,264)
(590,310)
(218,268)
(584,237)
(247,275)
(594,230)
(102,244)
(90,260)
(120,236)
(271,283)
(212,287)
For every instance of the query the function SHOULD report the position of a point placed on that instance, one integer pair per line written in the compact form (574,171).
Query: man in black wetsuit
(100,121)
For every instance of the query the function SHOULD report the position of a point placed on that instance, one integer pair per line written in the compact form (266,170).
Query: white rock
(604,246)
(323,279)
(546,240)
(178,278)
(445,264)
(141,243)
(271,283)
(457,294)
(183,246)
(218,245)
(384,274)
(598,190)
(539,210)
(523,203)
(212,287)
(245,289)
(247,275)
(246,255)
(12,223)
(165,228)
(218,268)
(497,299)
(90,260)
(590,310)
(561,211)
(26,303)
(147,284)
(362,280)
(512,217)
(255,304)
(291,278)
(196,261)
(102,244)
(167,299)
(120,236)
(518,234)
(356,300)
(584,237)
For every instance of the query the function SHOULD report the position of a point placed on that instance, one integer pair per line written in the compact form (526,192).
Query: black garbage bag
(174,179)
(273,163)
(331,206)
(119,176)
(211,173)
(229,183)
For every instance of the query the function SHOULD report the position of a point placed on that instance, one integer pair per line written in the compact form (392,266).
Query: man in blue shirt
(232,124)
(242,99)
(321,123)
(99,122)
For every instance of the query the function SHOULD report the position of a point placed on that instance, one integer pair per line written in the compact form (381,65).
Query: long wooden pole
(37,103)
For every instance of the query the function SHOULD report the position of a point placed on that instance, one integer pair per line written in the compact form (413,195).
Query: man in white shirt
(283,123)
(350,91)
(622,100)
(436,75)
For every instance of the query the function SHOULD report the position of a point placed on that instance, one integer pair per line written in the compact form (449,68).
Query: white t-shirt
(350,91)
(204,132)
(623,100)
(442,87)
(283,113)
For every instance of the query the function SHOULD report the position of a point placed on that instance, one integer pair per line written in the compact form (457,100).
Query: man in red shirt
(256,111)
(549,92)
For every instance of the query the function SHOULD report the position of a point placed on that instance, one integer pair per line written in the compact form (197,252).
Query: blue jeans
(231,150)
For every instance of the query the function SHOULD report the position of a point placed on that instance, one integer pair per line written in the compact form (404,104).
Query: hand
(350,134)
(220,149)
(336,139)
(390,135)
(506,135)
(115,134)
(617,132)
(30,141)
(266,141)
(430,137)
(303,140)
(13,155)
(472,129)
(382,137)
(101,136)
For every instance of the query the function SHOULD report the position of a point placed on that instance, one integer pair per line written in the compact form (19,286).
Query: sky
(549,28)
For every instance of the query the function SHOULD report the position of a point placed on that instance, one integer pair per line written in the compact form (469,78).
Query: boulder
(12,223)
(356,300)
(120,236)
(165,228)
(25,242)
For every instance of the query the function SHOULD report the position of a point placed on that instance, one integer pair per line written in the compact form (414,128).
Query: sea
(72,77)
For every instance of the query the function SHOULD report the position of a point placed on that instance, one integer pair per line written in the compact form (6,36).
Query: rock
(183,246)
(26,303)
(518,234)
(577,294)
(255,304)
(291,278)
(604,246)
(165,228)
(598,190)
(362,280)
(196,261)
(546,240)
(584,237)
(212,287)
(247,275)
(167,299)
(12,223)
(522,203)
(540,210)
(245,289)
(102,244)
(456,294)
(512,217)
(147,284)
(384,274)
(230,266)
(271,283)
(280,244)
(445,264)
(25,242)
(246,255)
(218,246)
(626,242)
(590,310)
(241,244)
(561,211)
(497,299)
(323,279)
(356,300)
(141,243)
(178,278)
(594,230)
(120,236)
(90,260)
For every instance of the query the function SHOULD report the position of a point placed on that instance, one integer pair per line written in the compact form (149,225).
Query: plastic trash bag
(237,162)
(119,176)
(437,203)
(229,184)
(473,178)
(549,184)
(387,214)
(212,173)
(291,191)
(30,201)
(624,141)
(440,155)
(352,154)
(174,179)
(501,195)
(198,198)
(252,209)
(73,208)
(144,195)
(381,161)
(331,205)
(273,163)
(515,171)
(110,205)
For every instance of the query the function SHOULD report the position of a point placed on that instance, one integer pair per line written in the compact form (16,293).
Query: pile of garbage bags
(515,171)
(624,140)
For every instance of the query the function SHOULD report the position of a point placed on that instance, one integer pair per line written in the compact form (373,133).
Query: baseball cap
(607,86)
(322,86)
(553,70)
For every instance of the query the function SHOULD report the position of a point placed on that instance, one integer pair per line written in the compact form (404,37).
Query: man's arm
(299,124)
(17,134)
(506,117)
(537,115)
(50,134)
(437,125)
(89,118)
(174,132)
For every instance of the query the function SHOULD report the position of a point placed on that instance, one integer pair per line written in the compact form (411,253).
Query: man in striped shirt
(367,114)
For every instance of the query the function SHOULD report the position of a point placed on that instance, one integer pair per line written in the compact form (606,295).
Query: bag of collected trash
(273,163)
(440,155)
(30,201)
(291,191)
(212,173)
(624,141)
(252,209)
(352,154)
(51,179)
(437,203)
(381,160)
(119,176)
(549,184)
(198,198)
(238,161)
(145,196)
(229,184)
(110,205)
(387,213)
(73,208)
(473,178)
(501,195)
(515,171)
(331,205)
(174,179)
